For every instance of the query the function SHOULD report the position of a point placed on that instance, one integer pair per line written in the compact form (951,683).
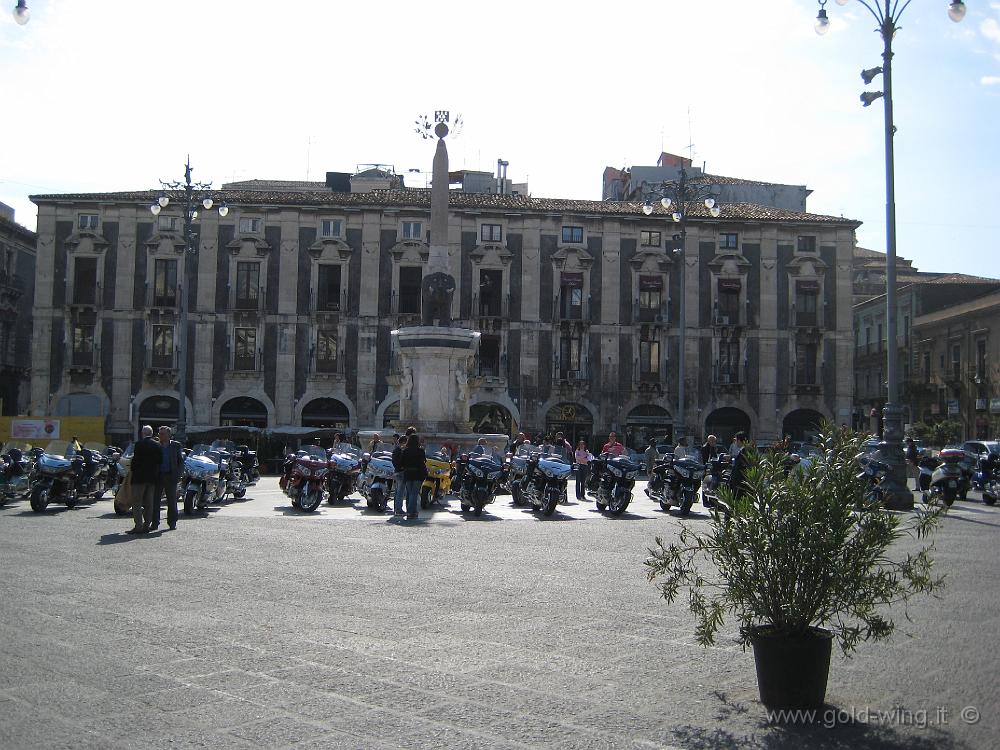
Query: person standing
(413,461)
(397,464)
(582,458)
(145,469)
(681,449)
(171,466)
(739,472)
(481,449)
(613,446)
(651,455)
(708,449)
(562,448)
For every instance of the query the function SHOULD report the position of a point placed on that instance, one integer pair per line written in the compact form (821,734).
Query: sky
(113,95)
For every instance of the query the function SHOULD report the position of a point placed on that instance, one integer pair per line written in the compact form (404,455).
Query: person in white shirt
(582,459)
(681,449)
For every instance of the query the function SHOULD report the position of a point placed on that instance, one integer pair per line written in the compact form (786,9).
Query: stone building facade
(295,293)
(17,274)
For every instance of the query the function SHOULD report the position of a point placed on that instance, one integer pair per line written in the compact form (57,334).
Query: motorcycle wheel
(549,503)
(70,502)
(686,502)
(311,501)
(664,506)
(240,492)
(465,507)
(600,505)
(425,497)
(477,509)
(989,499)
(515,494)
(619,504)
(39,499)
(189,499)
(378,500)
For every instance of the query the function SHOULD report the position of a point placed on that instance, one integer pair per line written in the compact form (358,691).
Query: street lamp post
(887,14)
(680,197)
(193,195)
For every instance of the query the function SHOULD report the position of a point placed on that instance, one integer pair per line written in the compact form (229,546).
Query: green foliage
(939,433)
(793,552)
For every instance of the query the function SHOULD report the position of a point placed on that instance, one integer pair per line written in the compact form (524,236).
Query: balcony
(490,312)
(405,308)
(331,304)
(571,313)
(329,368)
(86,298)
(659,315)
(726,377)
(575,375)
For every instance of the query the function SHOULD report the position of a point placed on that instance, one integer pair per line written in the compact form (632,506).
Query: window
(165,283)
(571,296)
(806,303)
(570,343)
(729,362)
(805,364)
(168,223)
(956,361)
(163,347)
(650,239)
(85,281)
(649,357)
(247,285)
(83,345)
(728,241)
(868,340)
(245,356)
(729,301)
(411,230)
(328,293)
(807,244)
(927,367)
(981,358)
(880,338)
(650,298)
(89,221)
(409,289)
(490,293)
(489,356)
(326,350)
(572,234)
(490,233)
(330,228)
(250,225)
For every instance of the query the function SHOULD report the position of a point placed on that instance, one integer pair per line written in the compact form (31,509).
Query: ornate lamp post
(887,14)
(193,195)
(681,198)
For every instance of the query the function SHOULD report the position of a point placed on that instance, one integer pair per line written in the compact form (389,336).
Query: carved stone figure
(437,290)
(463,385)
(406,383)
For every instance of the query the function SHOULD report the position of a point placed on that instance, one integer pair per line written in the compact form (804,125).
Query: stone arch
(645,421)
(501,399)
(244,410)
(566,417)
(493,418)
(325,412)
(151,393)
(726,421)
(313,393)
(802,424)
(228,394)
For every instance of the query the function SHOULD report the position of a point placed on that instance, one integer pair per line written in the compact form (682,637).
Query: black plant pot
(792,670)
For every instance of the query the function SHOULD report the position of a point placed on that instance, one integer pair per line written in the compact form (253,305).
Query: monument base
(434,384)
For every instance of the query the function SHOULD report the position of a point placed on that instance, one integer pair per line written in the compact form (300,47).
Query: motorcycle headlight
(681,471)
(615,470)
(305,471)
(476,471)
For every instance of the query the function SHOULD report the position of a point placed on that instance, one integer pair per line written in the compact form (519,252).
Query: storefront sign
(34,429)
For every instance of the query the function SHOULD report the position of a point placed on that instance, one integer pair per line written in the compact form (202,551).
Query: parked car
(979,448)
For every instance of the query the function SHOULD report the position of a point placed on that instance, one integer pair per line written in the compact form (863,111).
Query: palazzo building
(17,273)
(295,292)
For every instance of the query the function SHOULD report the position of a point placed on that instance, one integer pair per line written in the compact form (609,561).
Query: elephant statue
(437,290)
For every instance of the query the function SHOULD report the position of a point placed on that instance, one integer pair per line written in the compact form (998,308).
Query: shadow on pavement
(120,536)
(974,520)
(831,728)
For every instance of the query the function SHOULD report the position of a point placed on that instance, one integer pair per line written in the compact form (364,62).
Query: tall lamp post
(192,197)
(681,198)
(887,13)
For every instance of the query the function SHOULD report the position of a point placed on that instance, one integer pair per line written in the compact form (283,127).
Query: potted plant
(793,561)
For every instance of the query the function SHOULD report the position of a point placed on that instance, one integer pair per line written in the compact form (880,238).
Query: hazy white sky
(112,95)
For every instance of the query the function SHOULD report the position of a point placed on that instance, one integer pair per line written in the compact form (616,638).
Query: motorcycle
(990,482)
(206,478)
(676,482)
(235,474)
(110,455)
(947,480)
(437,484)
(543,481)
(611,481)
(873,473)
(15,476)
(926,465)
(304,477)
(717,474)
(345,466)
(66,478)
(377,480)
(123,503)
(482,474)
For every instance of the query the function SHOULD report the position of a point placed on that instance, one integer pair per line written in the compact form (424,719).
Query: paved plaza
(259,626)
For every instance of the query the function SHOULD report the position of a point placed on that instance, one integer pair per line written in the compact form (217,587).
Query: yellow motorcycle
(438,481)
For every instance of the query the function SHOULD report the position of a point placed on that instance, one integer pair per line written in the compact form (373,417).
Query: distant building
(925,381)
(295,292)
(17,275)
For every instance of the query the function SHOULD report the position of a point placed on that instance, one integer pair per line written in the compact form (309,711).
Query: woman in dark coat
(413,462)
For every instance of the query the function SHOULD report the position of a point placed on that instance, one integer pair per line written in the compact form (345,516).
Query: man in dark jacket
(145,469)
(413,461)
(708,449)
(739,471)
(397,453)
(171,466)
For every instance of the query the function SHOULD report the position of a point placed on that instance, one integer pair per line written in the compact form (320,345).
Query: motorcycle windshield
(348,451)
(314,452)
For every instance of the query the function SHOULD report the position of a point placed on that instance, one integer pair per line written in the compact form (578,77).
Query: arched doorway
(158,411)
(390,416)
(572,420)
(726,422)
(326,412)
(647,421)
(489,418)
(802,425)
(82,405)
(243,411)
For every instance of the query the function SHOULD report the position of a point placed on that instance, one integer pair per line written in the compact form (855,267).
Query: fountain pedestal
(434,390)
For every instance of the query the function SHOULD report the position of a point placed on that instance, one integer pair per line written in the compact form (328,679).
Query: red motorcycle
(304,477)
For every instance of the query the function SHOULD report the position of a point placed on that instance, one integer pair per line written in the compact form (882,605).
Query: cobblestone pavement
(257,627)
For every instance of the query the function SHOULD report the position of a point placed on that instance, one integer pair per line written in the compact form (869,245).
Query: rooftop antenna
(690,138)
(309,142)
